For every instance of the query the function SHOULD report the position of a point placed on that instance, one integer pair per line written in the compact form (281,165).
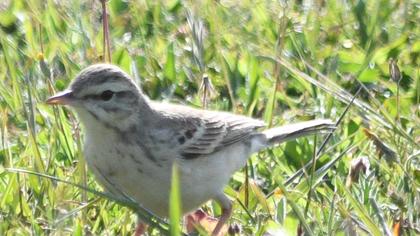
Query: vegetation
(280,61)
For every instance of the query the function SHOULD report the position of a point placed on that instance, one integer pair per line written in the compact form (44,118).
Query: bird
(131,142)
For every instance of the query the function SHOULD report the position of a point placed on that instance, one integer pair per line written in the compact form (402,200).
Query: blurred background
(279,61)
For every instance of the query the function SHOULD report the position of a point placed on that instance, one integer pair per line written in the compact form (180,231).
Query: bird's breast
(127,168)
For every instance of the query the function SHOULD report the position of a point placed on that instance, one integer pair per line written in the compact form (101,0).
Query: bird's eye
(107,95)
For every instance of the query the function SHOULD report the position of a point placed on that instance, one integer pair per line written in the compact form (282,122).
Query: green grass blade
(175,203)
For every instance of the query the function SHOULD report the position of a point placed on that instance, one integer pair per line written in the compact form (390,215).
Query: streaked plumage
(131,142)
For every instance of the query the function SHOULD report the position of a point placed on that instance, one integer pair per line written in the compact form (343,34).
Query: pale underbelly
(149,184)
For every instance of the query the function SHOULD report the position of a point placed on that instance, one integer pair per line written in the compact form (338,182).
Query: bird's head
(103,93)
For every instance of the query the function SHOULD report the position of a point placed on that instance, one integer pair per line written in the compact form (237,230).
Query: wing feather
(219,132)
(200,132)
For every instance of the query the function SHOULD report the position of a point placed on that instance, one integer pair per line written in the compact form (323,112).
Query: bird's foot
(201,220)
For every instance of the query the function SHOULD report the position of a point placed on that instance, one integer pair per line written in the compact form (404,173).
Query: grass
(277,61)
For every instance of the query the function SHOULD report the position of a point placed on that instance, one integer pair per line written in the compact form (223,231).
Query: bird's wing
(200,132)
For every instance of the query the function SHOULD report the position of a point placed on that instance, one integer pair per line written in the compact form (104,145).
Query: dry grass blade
(105,28)
(207,90)
(281,31)
(394,72)
(198,35)
(384,150)
(357,166)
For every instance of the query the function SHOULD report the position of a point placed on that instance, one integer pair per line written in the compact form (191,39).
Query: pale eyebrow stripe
(115,86)
(95,78)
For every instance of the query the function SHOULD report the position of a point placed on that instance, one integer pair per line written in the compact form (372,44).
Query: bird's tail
(287,132)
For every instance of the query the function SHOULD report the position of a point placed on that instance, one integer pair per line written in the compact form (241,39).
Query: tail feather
(293,131)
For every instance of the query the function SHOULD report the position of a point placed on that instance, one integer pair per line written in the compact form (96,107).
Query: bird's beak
(62,98)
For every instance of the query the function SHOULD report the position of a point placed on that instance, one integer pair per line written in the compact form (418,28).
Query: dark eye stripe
(122,94)
(119,94)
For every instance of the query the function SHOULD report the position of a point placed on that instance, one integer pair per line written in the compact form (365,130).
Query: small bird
(131,142)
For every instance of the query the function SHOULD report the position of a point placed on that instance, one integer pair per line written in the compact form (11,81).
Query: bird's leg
(226,205)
